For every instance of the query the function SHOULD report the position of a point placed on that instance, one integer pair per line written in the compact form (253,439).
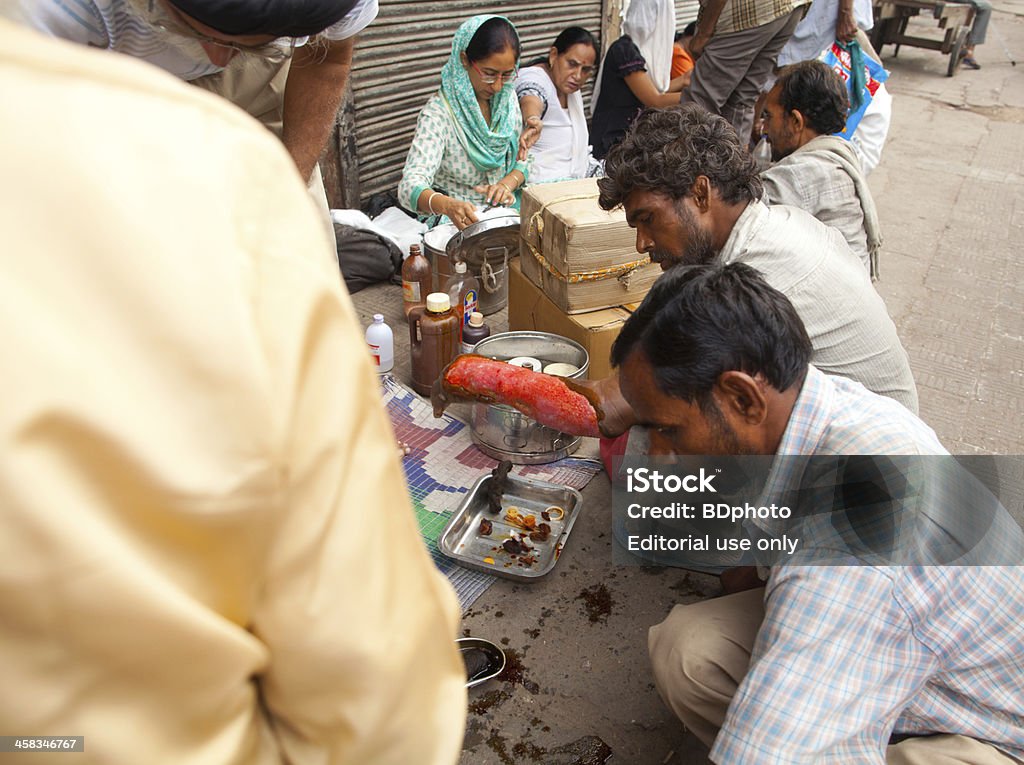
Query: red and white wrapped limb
(552,401)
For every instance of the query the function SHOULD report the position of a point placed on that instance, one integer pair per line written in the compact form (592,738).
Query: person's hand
(531,132)
(460,213)
(615,415)
(756,131)
(496,193)
(696,44)
(739,579)
(846,26)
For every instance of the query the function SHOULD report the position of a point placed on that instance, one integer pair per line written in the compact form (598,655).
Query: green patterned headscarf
(491,146)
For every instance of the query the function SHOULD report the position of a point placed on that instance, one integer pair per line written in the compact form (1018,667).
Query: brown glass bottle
(433,340)
(474,331)
(416,279)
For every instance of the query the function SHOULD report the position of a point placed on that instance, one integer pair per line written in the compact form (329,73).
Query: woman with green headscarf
(466,148)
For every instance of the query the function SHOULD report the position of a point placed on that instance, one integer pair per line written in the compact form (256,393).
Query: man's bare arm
(705,27)
(316,82)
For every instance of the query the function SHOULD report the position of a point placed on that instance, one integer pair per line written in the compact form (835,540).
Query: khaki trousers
(701,652)
(257,86)
(729,74)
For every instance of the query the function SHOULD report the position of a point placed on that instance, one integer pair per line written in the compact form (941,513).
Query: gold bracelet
(508,188)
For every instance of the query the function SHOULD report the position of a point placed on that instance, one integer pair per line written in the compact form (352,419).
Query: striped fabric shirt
(846,319)
(738,15)
(849,655)
(122,26)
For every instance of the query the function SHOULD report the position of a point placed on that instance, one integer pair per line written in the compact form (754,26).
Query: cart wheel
(958,47)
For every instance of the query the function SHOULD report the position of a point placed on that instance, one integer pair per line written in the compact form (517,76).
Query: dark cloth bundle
(365,258)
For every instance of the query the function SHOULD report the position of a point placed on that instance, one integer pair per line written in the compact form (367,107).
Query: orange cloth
(681,61)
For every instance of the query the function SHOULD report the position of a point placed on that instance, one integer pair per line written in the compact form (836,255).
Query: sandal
(970,63)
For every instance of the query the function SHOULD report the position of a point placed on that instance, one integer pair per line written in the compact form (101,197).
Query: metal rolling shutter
(686,11)
(398,64)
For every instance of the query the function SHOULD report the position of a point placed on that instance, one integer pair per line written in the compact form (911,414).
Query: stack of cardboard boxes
(579,274)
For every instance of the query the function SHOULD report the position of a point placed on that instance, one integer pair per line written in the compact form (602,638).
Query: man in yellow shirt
(208,552)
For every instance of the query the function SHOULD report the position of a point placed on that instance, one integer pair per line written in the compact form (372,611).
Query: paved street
(950,191)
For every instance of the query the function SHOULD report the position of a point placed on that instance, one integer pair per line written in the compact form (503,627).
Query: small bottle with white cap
(382,344)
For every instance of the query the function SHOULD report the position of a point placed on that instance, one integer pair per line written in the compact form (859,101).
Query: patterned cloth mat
(443,466)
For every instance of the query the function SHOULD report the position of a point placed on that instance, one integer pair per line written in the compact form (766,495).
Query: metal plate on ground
(462,540)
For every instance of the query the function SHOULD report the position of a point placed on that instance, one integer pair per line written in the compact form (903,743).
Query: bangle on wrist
(430,202)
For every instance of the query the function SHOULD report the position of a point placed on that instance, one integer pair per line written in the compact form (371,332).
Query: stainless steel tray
(461,539)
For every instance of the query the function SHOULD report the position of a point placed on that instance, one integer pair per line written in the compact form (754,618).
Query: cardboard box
(619,286)
(564,222)
(582,257)
(530,309)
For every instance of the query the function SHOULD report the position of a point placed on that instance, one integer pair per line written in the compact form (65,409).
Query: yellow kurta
(207,551)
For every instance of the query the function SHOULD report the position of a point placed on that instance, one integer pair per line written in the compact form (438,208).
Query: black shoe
(970,63)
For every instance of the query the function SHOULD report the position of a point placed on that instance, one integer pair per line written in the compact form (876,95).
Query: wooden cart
(891,17)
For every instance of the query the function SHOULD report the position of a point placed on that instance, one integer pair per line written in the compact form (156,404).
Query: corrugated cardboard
(576,297)
(564,222)
(530,309)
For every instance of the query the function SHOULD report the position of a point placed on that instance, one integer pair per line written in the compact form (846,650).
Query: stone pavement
(950,193)
(951,198)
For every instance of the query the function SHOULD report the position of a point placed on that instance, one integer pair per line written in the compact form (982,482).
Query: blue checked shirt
(849,655)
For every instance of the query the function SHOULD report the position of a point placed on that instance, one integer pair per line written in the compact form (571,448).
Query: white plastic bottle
(382,344)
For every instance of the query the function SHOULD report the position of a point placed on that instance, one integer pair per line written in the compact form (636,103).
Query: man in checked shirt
(841,657)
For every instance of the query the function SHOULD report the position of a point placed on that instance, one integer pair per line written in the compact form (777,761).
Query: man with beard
(840,649)
(692,193)
(814,169)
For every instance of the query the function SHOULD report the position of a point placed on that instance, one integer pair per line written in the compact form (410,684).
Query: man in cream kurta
(208,552)
(815,169)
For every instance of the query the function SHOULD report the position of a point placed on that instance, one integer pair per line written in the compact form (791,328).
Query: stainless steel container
(486,247)
(506,434)
(435,244)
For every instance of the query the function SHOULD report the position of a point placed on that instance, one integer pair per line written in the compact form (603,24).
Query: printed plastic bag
(842,59)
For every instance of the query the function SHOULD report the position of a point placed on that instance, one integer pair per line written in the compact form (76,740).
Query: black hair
(494,36)
(688,31)
(698,322)
(566,39)
(281,18)
(573,36)
(666,149)
(817,92)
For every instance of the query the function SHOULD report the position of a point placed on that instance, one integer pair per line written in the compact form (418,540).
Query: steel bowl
(505,433)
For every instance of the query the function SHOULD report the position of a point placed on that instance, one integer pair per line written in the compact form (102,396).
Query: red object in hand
(550,400)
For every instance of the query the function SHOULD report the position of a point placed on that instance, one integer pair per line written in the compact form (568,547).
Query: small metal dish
(462,541)
(483,660)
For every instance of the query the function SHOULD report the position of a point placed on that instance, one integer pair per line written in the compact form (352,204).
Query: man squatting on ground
(823,663)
